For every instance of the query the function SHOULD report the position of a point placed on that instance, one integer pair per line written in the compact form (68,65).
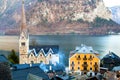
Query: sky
(111,3)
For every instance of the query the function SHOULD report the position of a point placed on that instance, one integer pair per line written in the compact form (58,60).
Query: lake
(67,43)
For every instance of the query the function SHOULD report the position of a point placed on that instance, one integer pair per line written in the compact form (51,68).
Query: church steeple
(24,38)
(23,20)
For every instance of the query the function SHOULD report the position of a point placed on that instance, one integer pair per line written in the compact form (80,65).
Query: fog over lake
(67,43)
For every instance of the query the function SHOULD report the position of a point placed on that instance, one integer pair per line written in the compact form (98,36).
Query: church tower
(23,39)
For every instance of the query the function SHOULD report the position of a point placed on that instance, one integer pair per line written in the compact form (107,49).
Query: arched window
(32,62)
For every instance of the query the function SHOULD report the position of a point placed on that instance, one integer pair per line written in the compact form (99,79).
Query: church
(29,54)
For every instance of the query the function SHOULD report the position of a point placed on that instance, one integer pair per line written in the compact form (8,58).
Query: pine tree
(12,57)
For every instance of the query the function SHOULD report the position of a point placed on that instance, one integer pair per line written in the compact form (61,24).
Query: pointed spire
(23,19)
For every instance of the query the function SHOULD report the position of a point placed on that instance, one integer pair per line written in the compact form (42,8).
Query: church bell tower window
(23,43)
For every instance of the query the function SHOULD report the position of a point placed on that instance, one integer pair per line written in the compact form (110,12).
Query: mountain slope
(59,17)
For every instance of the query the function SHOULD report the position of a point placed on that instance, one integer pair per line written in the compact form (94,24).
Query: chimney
(50,67)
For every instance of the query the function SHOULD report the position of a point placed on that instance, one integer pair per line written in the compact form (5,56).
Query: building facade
(83,59)
(46,54)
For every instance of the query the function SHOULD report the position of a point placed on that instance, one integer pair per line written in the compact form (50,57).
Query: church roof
(24,29)
(45,49)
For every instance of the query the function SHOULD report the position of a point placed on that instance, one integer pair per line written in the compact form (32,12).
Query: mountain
(115,13)
(10,14)
(58,17)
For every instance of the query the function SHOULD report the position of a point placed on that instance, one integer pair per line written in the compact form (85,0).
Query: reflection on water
(103,44)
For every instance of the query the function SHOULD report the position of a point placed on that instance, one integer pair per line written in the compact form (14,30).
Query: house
(37,54)
(23,71)
(110,61)
(84,59)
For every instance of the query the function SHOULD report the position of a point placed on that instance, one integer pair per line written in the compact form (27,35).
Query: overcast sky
(110,3)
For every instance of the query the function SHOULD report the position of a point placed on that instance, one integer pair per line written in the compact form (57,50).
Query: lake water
(67,43)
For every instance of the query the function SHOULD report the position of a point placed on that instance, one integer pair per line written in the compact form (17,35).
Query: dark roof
(111,58)
(92,78)
(23,66)
(46,48)
(22,74)
(3,58)
(56,78)
(111,55)
(55,68)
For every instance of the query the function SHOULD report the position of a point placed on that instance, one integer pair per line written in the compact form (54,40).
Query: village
(84,64)
(43,62)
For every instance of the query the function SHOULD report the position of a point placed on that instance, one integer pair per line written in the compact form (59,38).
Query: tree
(12,57)
(34,42)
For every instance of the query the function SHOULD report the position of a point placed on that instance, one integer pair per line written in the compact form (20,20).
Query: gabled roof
(111,58)
(111,55)
(45,49)
(84,49)
(22,74)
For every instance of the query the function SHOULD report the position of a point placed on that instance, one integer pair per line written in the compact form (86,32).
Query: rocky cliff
(58,16)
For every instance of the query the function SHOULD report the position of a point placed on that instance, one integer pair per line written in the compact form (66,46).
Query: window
(41,61)
(96,65)
(91,50)
(78,62)
(79,56)
(85,62)
(78,68)
(72,68)
(85,65)
(90,68)
(32,62)
(85,58)
(85,68)
(90,58)
(23,43)
(90,63)
(72,62)
(22,37)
